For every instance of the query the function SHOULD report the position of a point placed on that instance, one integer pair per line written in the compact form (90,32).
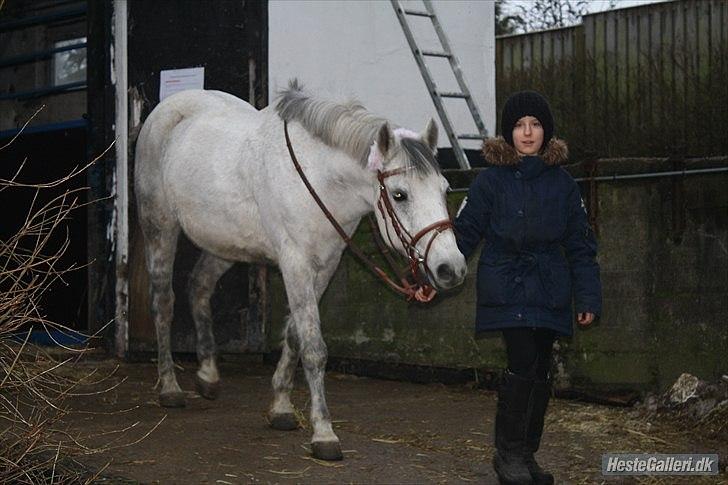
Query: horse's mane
(348,126)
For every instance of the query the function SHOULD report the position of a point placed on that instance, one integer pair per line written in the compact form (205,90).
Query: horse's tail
(164,118)
(168,114)
(154,137)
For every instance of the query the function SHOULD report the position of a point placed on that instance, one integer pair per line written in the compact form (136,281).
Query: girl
(539,253)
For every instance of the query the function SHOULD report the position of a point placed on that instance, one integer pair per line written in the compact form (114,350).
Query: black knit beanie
(527,103)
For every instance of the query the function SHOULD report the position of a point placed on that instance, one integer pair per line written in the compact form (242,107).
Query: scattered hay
(691,406)
(291,473)
(323,463)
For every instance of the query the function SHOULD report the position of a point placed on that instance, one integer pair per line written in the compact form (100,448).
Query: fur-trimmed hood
(497,151)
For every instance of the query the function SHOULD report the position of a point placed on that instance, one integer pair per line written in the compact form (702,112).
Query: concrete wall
(665,278)
(357,49)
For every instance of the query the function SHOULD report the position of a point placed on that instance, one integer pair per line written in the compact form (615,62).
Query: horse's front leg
(300,287)
(324,443)
(282,413)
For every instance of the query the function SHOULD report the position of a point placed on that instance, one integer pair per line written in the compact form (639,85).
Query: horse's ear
(384,138)
(430,135)
(380,147)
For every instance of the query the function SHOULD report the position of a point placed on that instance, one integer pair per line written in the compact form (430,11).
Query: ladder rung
(436,54)
(453,95)
(418,13)
(437,96)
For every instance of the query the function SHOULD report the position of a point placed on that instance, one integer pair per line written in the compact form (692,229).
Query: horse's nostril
(445,272)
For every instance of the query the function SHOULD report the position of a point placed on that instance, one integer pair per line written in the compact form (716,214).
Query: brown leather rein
(419,290)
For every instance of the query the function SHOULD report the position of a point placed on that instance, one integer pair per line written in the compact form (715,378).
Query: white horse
(213,166)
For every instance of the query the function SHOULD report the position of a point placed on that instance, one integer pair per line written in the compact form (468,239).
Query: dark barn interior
(48,156)
(233,55)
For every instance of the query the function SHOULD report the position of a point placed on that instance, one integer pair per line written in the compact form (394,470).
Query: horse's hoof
(327,450)
(284,421)
(208,390)
(172,400)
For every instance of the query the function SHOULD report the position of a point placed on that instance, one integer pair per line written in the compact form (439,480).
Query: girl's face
(528,136)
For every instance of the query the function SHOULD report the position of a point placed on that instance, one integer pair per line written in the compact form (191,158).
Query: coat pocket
(558,286)
(491,284)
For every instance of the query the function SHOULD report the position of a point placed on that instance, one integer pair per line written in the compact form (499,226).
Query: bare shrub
(35,386)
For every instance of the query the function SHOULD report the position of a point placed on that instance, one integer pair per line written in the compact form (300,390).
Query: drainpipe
(121,189)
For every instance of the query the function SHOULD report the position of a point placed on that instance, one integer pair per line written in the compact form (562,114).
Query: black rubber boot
(509,460)
(540,395)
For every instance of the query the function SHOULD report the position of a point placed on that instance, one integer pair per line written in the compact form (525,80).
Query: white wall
(357,49)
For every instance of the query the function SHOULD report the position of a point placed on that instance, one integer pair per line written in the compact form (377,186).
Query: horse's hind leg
(204,277)
(160,250)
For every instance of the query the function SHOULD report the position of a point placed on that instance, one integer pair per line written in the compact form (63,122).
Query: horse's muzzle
(448,277)
(445,275)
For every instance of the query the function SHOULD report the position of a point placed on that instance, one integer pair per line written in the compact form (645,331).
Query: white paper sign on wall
(174,80)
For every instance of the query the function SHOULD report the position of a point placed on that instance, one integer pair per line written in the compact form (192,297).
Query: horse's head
(414,188)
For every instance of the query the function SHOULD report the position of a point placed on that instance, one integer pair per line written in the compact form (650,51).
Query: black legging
(529,350)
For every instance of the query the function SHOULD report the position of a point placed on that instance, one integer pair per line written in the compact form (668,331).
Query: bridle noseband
(419,289)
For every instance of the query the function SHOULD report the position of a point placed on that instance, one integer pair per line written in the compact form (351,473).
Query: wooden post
(121,201)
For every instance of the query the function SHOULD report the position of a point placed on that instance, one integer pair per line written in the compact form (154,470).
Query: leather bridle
(418,289)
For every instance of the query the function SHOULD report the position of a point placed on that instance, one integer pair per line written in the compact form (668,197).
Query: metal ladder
(436,95)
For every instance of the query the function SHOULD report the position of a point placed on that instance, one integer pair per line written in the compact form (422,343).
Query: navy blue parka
(539,253)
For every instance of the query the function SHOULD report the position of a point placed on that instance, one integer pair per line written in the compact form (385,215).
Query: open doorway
(50,153)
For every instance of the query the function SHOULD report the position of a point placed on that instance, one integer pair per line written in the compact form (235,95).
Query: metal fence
(647,80)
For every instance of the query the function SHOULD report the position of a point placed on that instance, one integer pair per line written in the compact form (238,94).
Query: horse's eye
(399,196)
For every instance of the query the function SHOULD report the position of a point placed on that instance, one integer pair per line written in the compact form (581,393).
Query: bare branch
(35,387)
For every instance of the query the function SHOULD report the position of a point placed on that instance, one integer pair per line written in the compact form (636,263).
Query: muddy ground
(391,432)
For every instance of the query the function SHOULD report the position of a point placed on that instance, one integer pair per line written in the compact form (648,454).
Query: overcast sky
(598,5)
(601,5)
